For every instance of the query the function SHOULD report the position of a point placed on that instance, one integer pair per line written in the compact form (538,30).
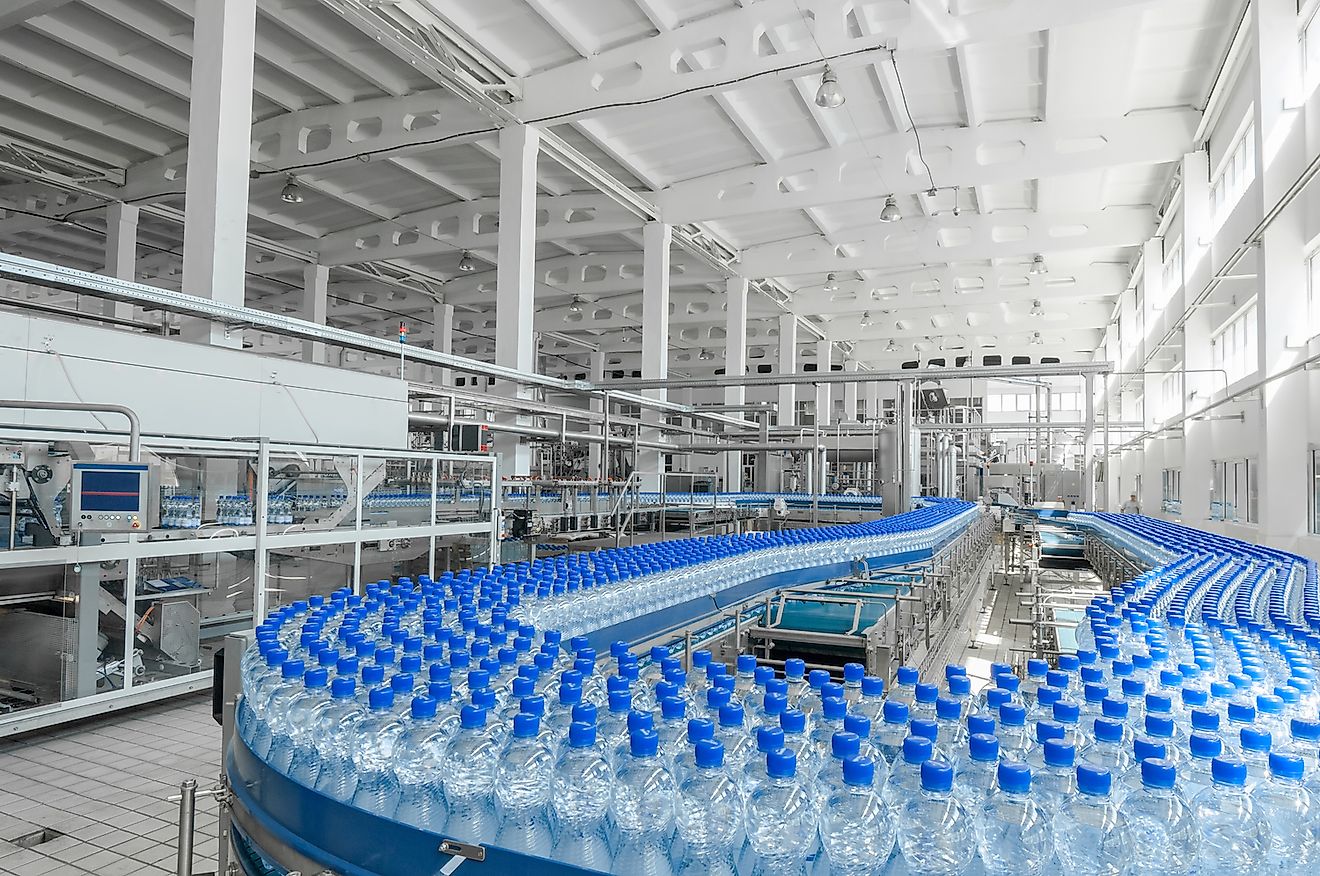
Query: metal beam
(738,44)
(989,154)
(1064,369)
(953,238)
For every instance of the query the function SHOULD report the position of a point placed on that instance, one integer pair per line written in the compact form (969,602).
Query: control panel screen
(111,491)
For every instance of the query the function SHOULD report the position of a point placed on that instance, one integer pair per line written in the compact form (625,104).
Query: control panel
(110,497)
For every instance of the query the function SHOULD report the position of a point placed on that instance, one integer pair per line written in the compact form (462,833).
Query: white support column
(788,336)
(121,226)
(442,339)
(824,364)
(872,395)
(596,375)
(656,240)
(219,146)
(850,392)
(1151,451)
(515,273)
(316,279)
(1199,383)
(735,364)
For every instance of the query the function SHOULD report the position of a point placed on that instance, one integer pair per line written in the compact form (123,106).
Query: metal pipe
(134,424)
(187,814)
(986,372)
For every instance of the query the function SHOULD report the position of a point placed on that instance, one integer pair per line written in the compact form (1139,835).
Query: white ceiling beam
(110,125)
(102,48)
(328,134)
(569,31)
(471,225)
(295,17)
(588,275)
(645,70)
(1077,348)
(936,240)
(994,318)
(992,153)
(19,11)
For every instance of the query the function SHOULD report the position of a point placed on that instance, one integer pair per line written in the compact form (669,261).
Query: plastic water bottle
(1291,812)
(794,724)
(300,716)
(1254,750)
(274,711)
(1235,838)
(583,791)
(1014,835)
(1015,742)
(420,752)
(888,735)
(373,757)
(905,686)
(856,830)
(952,739)
(709,814)
(1056,781)
(523,782)
(853,676)
(468,775)
(935,831)
(974,777)
(685,761)
(872,700)
(843,746)
(795,674)
(1090,835)
(829,720)
(1163,836)
(781,817)
(905,778)
(1107,748)
(643,809)
(768,739)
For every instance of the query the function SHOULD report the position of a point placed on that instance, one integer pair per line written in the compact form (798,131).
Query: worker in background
(1131,506)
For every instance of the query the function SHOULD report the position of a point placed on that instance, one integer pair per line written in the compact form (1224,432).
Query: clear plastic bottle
(1235,838)
(888,735)
(905,778)
(1014,836)
(1107,749)
(768,739)
(1090,835)
(417,760)
(297,730)
(685,761)
(709,814)
(273,712)
(523,783)
(935,831)
(643,809)
(856,829)
(974,777)
(1015,741)
(830,779)
(1056,780)
(373,755)
(468,773)
(1163,836)
(1203,748)
(583,791)
(905,686)
(781,817)
(1293,816)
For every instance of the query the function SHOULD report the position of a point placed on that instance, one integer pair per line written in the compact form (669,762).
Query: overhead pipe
(975,372)
(134,424)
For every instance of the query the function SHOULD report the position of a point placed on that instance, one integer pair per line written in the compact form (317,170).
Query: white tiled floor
(103,784)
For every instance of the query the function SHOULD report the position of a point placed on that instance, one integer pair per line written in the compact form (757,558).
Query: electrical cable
(916,132)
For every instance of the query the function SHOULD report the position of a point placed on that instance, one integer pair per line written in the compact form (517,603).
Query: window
(1233,491)
(1066,401)
(1311,50)
(1234,346)
(1171,394)
(1171,490)
(1173,276)
(1315,492)
(1236,173)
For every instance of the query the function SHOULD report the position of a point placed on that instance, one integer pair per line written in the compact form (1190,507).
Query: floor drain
(36,838)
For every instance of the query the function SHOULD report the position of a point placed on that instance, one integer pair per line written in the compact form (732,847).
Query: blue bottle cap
(844,744)
(1305,730)
(746,662)
(1093,781)
(980,724)
(896,712)
(937,776)
(292,669)
(1047,730)
(380,699)
(484,698)
(1056,678)
(581,735)
(1008,682)
(794,667)
(1269,704)
(763,675)
(983,747)
(1060,754)
(781,764)
(343,688)
(925,727)
(853,673)
(620,701)
(533,705)
(858,772)
(1114,708)
(769,739)
(960,685)
(422,707)
(1254,739)
(1134,687)
(1048,696)
(643,743)
(1205,745)
(1095,693)
(1228,771)
(1244,712)
(1159,727)
(472,717)
(440,691)
(699,729)
(402,683)
(672,708)
(793,721)
(1108,730)
(1158,773)
(1066,713)
(1014,778)
(859,724)
(833,708)
(709,754)
(873,686)
(1012,715)
(1036,668)
(701,659)
(774,704)
(927,693)
(1144,749)
(316,678)
(818,678)
(717,698)
(569,694)
(640,720)
(1158,702)
(1287,766)
(585,712)
(1194,698)
(916,749)
(526,726)
(731,715)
